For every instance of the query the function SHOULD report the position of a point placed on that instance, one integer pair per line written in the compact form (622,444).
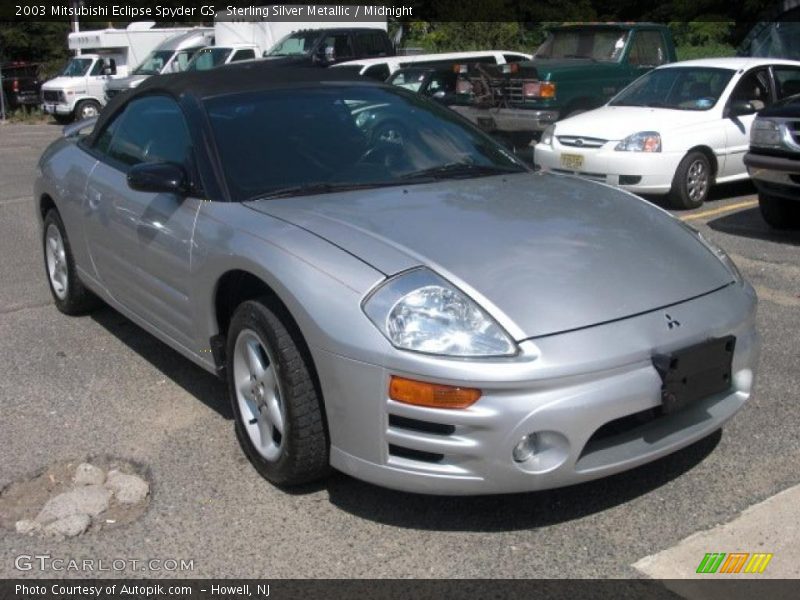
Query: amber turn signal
(432,395)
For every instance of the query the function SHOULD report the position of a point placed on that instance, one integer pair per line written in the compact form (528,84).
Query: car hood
(62,83)
(126,83)
(543,253)
(545,67)
(618,122)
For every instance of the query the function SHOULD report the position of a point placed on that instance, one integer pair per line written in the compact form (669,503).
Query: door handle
(95,198)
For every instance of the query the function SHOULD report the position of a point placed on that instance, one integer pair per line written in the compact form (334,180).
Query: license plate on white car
(572,161)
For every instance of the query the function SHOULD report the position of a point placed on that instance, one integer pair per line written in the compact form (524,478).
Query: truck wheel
(70,295)
(86,109)
(779,213)
(691,181)
(64,119)
(276,405)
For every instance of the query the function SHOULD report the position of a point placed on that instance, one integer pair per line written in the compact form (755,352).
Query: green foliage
(701,33)
(36,41)
(712,50)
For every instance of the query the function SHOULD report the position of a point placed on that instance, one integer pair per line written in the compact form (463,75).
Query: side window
(379,72)
(152,129)
(648,49)
(511,58)
(787,81)
(754,88)
(246,54)
(342,47)
(97,68)
(104,141)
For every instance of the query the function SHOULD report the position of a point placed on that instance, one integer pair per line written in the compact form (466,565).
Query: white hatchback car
(676,130)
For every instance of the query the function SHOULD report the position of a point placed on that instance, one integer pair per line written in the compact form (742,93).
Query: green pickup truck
(577,68)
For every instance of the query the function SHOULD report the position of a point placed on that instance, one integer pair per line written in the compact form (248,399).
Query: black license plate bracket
(696,372)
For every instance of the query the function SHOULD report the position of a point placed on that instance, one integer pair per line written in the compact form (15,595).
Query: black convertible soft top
(230,79)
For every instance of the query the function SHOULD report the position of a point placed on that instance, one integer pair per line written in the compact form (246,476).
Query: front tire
(691,182)
(276,405)
(779,213)
(86,109)
(70,295)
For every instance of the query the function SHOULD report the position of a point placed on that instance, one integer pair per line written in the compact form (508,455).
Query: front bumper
(564,388)
(639,172)
(56,109)
(774,175)
(508,120)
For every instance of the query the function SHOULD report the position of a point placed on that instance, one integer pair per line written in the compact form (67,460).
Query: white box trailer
(100,55)
(230,31)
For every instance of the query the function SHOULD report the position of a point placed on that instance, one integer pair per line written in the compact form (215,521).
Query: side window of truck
(378,72)
(246,54)
(97,68)
(371,44)
(342,46)
(787,81)
(648,49)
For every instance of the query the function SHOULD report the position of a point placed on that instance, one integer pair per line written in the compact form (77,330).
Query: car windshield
(77,67)
(601,44)
(677,88)
(334,137)
(154,62)
(410,79)
(295,44)
(208,58)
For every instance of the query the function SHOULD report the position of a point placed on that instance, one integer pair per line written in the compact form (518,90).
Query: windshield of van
(295,44)
(677,88)
(154,62)
(599,44)
(208,58)
(77,67)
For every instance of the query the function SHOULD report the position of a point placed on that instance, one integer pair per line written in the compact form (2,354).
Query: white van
(382,68)
(171,56)
(101,55)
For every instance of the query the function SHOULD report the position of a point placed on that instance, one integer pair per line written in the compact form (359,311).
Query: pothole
(72,498)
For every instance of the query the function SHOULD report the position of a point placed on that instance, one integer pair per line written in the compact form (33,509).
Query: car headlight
(547,135)
(643,141)
(422,312)
(765,133)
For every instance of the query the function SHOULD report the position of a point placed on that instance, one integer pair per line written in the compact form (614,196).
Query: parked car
(677,130)
(326,47)
(430,316)
(774,158)
(211,57)
(21,84)
(578,67)
(438,84)
(381,68)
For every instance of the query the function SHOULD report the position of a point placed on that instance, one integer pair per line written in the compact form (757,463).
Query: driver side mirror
(159,177)
(738,108)
(109,68)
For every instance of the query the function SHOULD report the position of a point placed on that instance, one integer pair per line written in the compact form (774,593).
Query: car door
(754,87)
(140,243)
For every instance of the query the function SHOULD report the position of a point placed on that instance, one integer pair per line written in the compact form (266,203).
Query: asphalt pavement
(73,388)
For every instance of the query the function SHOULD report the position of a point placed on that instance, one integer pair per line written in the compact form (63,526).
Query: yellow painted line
(721,210)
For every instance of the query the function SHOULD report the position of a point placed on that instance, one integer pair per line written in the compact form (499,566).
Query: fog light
(525,448)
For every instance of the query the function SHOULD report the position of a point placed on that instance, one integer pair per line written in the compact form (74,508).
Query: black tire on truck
(86,109)
(779,213)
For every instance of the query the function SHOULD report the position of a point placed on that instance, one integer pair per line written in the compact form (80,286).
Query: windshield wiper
(460,169)
(311,189)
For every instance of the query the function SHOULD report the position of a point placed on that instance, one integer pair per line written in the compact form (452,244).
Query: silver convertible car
(388,291)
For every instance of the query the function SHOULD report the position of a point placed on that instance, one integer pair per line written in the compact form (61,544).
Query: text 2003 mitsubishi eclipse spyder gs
(388,291)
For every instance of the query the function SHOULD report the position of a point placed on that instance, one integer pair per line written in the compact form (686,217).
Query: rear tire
(275,401)
(691,182)
(779,213)
(69,294)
